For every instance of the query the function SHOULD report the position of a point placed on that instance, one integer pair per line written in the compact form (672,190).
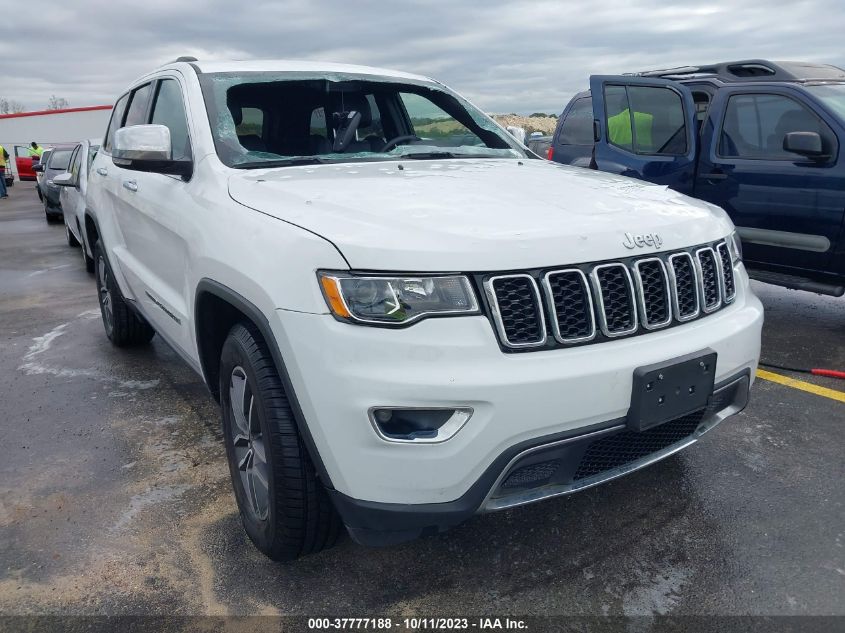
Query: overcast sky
(505,56)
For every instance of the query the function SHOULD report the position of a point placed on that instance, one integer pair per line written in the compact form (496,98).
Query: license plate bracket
(671,389)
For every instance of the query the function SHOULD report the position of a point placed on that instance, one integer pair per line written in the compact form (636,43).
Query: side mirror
(147,148)
(64,180)
(39,167)
(517,132)
(807,144)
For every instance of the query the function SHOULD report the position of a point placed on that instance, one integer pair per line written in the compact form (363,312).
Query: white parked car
(74,186)
(398,336)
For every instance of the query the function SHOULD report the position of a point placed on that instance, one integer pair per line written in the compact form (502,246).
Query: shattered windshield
(264,120)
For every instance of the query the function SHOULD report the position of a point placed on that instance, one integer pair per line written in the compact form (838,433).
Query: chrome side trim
(589,299)
(719,279)
(641,294)
(784,239)
(695,287)
(491,504)
(600,298)
(497,316)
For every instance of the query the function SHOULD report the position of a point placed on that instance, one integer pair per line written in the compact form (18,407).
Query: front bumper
(339,371)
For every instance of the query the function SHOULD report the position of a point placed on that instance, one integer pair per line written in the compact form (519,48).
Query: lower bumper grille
(574,463)
(623,448)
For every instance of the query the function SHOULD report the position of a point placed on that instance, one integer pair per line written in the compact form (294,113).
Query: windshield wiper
(438,155)
(281,162)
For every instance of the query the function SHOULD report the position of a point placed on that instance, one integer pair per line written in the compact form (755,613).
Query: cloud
(504,55)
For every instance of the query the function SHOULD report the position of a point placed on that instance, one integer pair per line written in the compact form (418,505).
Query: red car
(23,162)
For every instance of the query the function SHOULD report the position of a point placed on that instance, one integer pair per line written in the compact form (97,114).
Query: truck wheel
(71,240)
(285,510)
(123,326)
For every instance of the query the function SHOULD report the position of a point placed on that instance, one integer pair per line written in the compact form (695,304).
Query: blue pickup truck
(760,139)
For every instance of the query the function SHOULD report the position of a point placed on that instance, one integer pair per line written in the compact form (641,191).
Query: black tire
(296,517)
(89,261)
(71,239)
(123,326)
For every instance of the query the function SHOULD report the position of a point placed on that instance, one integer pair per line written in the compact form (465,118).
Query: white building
(50,127)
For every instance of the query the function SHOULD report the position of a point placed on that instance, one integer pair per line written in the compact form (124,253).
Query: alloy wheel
(248,441)
(105,294)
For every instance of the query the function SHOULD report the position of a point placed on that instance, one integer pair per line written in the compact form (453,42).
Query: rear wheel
(124,327)
(285,510)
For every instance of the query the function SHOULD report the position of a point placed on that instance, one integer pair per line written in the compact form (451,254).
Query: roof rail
(753,70)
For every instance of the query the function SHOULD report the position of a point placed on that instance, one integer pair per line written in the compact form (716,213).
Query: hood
(469,215)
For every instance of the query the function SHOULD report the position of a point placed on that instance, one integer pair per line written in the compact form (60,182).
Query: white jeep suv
(407,317)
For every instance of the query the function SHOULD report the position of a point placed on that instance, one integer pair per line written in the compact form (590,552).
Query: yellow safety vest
(36,152)
(2,158)
(619,129)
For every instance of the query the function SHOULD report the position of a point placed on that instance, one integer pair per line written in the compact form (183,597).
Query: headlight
(396,300)
(735,247)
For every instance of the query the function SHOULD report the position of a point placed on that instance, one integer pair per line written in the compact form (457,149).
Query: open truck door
(645,128)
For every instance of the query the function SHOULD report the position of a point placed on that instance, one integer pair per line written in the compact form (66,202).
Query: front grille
(709,278)
(519,310)
(684,286)
(616,296)
(615,451)
(655,307)
(671,288)
(727,272)
(572,306)
(532,475)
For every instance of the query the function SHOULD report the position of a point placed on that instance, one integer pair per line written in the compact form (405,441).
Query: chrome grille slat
(617,306)
(709,273)
(654,296)
(685,287)
(517,310)
(728,281)
(571,304)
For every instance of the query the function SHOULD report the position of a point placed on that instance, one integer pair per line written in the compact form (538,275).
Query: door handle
(131,185)
(716,175)
(102,171)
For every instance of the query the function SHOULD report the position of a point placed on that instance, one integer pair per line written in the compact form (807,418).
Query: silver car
(73,186)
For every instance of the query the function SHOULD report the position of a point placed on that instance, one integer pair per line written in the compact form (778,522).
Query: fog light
(418,425)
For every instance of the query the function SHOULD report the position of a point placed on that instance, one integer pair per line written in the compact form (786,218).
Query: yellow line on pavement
(833,394)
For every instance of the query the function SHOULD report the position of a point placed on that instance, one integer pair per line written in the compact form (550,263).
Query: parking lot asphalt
(115,496)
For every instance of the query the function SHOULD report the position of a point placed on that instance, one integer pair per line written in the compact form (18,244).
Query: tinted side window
(116,120)
(646,119)
(169,110)
(577,128)
(137,112)
(74,162)
(755,125)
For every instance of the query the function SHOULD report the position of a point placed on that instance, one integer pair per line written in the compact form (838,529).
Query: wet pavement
(115,499)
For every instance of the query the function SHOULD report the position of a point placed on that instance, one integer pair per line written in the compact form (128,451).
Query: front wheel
(71,239)
(123,326)
(285,510)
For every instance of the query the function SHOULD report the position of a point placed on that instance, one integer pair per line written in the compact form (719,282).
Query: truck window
(754,126)
(577,128)
(115,122)
(169,110)
(136,114)
(646,119)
